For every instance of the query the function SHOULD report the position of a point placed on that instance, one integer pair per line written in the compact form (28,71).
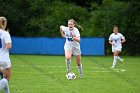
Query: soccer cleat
(67,73)
(112,67)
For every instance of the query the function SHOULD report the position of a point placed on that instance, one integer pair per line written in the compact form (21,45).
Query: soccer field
(46,74)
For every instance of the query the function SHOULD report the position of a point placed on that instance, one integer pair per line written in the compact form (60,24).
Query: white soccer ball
(71,76)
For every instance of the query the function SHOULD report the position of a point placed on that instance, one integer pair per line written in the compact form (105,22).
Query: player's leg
(116,53)
(7,75)
(114,62)
(6,71)
(79,64)
(120,59)
(4,85)
(77,54)
(68,59)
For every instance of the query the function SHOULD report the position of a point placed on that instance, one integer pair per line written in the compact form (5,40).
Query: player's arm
(62,32)
(77,36)
(8,45)
(110,42)
(123,40)
(77,39)
(8,41)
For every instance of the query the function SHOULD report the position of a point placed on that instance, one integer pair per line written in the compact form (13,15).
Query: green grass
(46,74)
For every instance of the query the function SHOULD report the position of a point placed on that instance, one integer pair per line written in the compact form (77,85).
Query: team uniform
(116,46)
(4,55)
(4,52)
(70,44)
(116,40)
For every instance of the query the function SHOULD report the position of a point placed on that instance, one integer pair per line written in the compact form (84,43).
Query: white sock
(114,61)
(68,61)
(80,69)
(4,85)
(119,58)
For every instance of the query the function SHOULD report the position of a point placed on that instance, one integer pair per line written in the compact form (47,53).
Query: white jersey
(116,40)
(69,40)
(4,52)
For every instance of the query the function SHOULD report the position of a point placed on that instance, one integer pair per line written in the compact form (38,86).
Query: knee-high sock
(68,61)
(4,85)
(80,69)
(120,59)
(114,61)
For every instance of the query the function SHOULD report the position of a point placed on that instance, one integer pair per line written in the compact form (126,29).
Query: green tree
(105,16)
(97,17)
(51,17)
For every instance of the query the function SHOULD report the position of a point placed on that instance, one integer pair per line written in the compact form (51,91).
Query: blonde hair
(72,20)
(76,25)
(3,23)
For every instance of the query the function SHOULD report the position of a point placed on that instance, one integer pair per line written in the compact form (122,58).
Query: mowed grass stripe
(113,72)
(93,82)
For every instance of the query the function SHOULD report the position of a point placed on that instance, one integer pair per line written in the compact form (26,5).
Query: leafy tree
(97,17)
(51,17)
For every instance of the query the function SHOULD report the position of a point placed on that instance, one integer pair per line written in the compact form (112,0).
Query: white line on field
(59,66)
(102,71)
(95,69)
(89,71)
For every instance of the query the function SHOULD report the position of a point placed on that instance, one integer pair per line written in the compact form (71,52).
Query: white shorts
(117,49)
(4,65)
(74,50)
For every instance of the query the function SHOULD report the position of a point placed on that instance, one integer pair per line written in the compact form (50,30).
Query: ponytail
(79,27)
(3,23)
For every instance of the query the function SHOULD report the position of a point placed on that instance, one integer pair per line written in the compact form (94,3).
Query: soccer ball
(71,76)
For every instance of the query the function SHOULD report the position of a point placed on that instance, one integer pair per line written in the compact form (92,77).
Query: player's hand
(113,44)
(71,34)
(61,26)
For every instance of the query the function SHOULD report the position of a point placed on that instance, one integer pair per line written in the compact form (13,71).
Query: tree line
(42,18)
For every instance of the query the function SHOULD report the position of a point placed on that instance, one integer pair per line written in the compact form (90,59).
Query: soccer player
(116,39)
(5,64)
(72,46)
